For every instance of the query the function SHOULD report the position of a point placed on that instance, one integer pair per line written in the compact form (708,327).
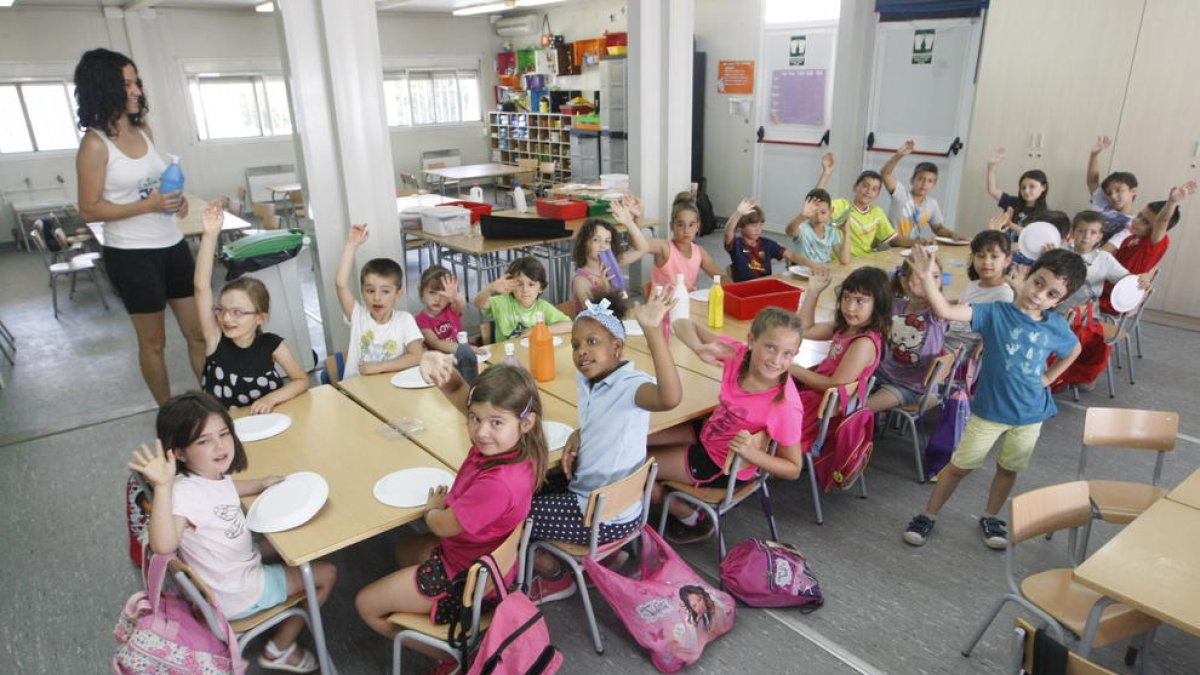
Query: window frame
(20,81)
(262,105)
(401,71)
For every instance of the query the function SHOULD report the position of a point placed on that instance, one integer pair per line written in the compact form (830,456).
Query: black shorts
(446,593)
(145,278)
(704,471)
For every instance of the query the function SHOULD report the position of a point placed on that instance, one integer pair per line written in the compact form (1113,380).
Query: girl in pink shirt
(197,511)
(598,237)
(490,497)
(680,255)
(757,396)
(860,324)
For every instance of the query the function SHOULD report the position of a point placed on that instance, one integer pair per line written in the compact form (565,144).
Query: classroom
(547,153)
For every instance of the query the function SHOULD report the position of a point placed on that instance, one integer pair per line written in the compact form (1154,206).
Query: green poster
(796,49)
(922,46)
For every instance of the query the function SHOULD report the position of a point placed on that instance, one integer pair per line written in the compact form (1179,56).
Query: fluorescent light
(7,3)
(265,7)
(536,3)
(486,8)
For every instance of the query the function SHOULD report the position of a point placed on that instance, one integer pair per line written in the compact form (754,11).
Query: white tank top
(130,180)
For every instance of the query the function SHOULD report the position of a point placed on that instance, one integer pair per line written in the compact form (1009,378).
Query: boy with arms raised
(913,212)
(1013,398)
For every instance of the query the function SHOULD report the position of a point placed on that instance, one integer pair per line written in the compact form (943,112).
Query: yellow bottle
(716,304)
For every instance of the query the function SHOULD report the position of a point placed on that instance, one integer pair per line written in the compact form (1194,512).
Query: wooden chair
(718,501)
(1122,501)
(246,628)
(58,269)
(419,628)
(1053,595)
(831,406)
(604,504)
(1024,659)
(297,209)
(266,217)
(910,415)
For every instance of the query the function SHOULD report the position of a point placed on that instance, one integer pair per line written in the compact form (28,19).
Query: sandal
(308,662)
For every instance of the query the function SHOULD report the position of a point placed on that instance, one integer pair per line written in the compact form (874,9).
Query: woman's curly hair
(100,91)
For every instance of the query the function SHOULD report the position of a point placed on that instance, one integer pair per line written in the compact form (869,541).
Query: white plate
(525,341)
(811,353)
(409,488)
(257,427)
(632,328)
(1035,237)
(1125,294)
(288,504)
(950,241)
(410,378)
(699,294)
(556,434)
(908,251)
(801,271)
(485,356)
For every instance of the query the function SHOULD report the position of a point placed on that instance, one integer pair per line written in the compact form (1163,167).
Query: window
(421,97)
(37,117)
(239,106)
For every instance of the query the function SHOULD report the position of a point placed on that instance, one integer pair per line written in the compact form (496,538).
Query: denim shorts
(907,396)
(274,591)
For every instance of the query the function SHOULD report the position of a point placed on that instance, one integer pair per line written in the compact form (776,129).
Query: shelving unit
(541,136)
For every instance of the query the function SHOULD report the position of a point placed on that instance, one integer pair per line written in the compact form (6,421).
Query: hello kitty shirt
(916,339)
(1015,349)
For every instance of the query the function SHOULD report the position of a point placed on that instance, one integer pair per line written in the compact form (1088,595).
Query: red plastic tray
(477,209)
(743,300)
(565,209)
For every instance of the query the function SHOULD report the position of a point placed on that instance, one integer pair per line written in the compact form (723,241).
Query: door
(922,87)
(795,86)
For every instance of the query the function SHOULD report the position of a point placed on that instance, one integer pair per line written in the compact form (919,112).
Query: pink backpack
(517,641)
(769,574)
(848,445)
(667,607)
(158,634)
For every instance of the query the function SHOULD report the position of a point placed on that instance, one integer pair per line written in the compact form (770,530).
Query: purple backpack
(947,433)
(769,574)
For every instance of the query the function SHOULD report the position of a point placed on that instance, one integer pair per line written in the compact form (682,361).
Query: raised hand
(621,211)
(997,156)
(357,235)
(1182,192)
(810,208)
(827,161)
(715,353)
(1102,144)
(635,205)
(213,217)
(450,287)
(156,466)
(1002,220)
(650,315)
(503,285)
(437,367)
(922,262)
(906,147)
(819,278)
(747,205)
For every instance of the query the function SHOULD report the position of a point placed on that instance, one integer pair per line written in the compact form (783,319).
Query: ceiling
(435,6)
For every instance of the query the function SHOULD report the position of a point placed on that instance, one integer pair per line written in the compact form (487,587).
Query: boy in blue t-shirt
(750,255)
(1013,398)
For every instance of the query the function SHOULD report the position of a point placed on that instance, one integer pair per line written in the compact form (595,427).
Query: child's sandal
(274,659)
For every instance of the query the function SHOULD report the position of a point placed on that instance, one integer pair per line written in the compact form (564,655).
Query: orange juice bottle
(541,350)
(716,304)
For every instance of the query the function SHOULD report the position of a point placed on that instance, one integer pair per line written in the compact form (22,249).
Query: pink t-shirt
(678,263)
(446,325)
(739,409)
(216,542)
(811,398)
(489,504)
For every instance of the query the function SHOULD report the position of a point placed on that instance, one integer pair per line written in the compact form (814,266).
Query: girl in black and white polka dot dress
(240,359)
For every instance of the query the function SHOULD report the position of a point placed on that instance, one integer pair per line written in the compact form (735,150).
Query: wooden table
(351,449)
(445,429)
(192,225)
(469,172)
(1187,492)
(1152,565)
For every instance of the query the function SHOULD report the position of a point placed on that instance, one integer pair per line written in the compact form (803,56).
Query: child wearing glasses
(240,359)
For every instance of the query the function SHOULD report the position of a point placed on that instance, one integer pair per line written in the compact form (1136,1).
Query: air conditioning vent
(512,26)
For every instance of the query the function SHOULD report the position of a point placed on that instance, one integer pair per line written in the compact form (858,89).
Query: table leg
(314,614)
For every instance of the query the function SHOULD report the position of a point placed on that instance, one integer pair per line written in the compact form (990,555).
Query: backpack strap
(155,574)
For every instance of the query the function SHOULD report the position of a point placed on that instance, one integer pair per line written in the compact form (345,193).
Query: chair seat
(245,624)
(73,266)
(912,408)
(713,495)
(602,550)
(1056,592)
(421,623)
(1122,501)
(1113,332)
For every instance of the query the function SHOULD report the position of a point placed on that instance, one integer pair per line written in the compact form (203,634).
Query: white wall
(580,21)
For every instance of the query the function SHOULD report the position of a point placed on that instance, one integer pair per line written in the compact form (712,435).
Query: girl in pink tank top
(864,309)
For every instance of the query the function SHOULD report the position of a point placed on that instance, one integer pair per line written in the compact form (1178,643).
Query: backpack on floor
(517,641)
(764,573)
(947,433)
(158,634)
(137,515)
(708,220)
(1093,352)
(848,445)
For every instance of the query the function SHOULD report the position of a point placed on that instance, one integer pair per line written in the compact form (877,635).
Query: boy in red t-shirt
(1148,241)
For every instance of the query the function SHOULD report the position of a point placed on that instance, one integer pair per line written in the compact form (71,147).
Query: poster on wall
(922,53)
(796,48)
(798,96)
(735,77)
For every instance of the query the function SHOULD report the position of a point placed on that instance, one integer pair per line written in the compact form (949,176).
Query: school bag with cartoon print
(765,573)
(137,515)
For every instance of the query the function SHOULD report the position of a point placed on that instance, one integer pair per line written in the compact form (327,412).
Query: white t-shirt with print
(216,542)
(370,341)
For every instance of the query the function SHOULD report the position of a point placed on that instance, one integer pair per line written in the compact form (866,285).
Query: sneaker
(918,530)
(994,533)
(545,589)
(678,533)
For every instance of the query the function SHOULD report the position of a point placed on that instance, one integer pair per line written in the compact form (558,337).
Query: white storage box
(410,218)
(446,220)
(616,181)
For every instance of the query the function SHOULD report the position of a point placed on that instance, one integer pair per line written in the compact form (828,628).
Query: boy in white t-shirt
(1087,231)
(382,338)
(913,212)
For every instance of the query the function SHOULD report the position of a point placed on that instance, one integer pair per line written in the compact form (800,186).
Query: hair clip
(528,409)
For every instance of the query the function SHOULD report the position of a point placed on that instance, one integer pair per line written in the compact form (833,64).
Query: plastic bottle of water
(519,198)
(476,193)
(682,308)
(510,355)
(465,360)
(171,179)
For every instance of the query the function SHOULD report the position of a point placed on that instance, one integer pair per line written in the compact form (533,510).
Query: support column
(343,151)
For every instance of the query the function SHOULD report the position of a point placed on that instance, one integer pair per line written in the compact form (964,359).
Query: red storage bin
(564,209)
(477,209)
(744,299)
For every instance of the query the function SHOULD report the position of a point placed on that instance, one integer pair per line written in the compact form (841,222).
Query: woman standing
(118,169)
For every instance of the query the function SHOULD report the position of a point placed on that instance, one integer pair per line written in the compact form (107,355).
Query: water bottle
(510,355)
(541,350)
(465,360)
(476,193)
(519,198)
(171,179)
(609,261)
(716,304)
(682,306)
